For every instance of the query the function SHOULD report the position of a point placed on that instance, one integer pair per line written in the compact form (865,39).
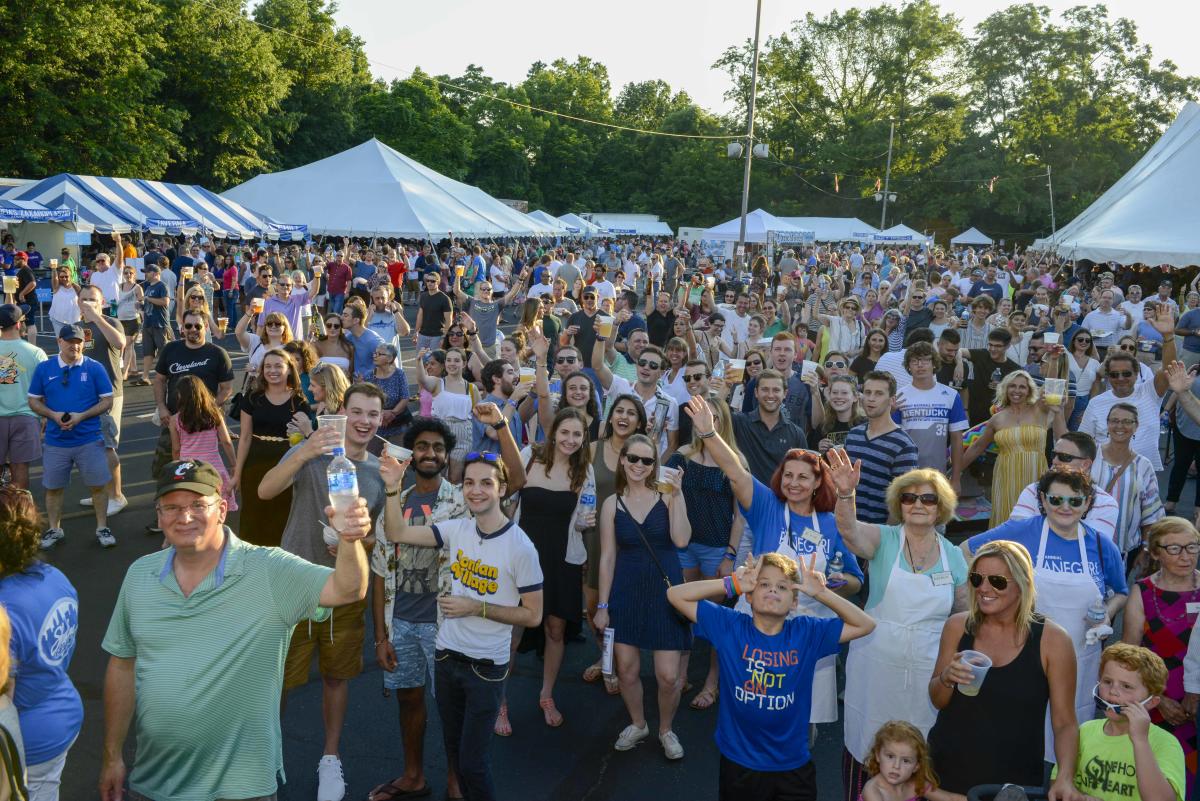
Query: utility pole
(1050,189)
(740,253)
(887,178)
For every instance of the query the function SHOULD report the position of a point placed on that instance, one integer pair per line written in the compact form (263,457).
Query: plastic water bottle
(342,480)
(1096,612)
(718,371)
(836,563)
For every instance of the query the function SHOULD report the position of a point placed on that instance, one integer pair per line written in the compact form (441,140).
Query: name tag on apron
(942,578)
(811,536)
(1193,608)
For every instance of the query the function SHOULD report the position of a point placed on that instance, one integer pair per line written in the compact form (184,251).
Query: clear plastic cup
(186,272)
(735,371)
(1054,390)
(665,475)
(398,453)
(604,326)
(979,663)
(335,421)
(10,284)
(222,324)
(1050,337)
(257,305)
(527,375)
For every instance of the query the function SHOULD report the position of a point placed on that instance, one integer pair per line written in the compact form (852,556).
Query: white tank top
(451,405)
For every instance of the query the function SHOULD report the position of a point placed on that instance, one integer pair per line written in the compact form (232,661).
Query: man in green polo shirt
(197,642)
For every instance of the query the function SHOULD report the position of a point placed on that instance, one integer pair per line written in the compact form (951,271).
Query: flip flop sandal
(709,696)
(554,718)
(593,674)
(502,727)
(389,792)
(612,685)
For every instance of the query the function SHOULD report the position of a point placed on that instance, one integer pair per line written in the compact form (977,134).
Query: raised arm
(861,538)
(428,382)
(510,451)
(604,375)
(702,423)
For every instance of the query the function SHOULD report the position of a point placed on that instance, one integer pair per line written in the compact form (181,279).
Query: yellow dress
(1022,461)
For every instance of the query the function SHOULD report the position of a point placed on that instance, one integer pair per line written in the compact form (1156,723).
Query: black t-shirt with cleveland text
(210,363)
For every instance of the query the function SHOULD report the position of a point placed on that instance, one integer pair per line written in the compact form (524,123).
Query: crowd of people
(946,462)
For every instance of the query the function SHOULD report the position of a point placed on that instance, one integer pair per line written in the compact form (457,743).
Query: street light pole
(1050,189)
(887,178)
(741,243)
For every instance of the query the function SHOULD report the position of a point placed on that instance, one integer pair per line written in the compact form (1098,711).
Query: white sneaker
(86,501)
(331,786)
(671,746)
(631,735)
(52,538)
(115,506)
(105,537)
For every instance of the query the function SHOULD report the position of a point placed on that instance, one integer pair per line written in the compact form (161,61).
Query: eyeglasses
(998,582)
(926,498)
(649,364)
(480,456)
(1065,458)
(1120,374)
(1122,421)
(564,360)
(836,365)
(1056,501)
(198,326)
(274,324)
(197,508)
(646,460)
(1126,348)
(1174,549)
(690,377)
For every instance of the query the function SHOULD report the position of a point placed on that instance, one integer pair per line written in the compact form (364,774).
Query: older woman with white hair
(917,580)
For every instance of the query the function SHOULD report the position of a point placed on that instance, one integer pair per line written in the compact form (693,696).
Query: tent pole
(739,252)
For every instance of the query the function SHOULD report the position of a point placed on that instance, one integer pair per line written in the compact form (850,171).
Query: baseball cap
(71,332)
(590,290)
(152,267)
(10,315)
(193,476)
(20,254)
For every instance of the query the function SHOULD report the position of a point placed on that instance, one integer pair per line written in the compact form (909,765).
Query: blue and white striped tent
(122,205)
(31,211)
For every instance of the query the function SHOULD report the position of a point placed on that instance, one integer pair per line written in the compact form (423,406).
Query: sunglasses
(649,364)
(755,363)
(327,325)
(197,326)
(481,456)
(998,582)
(1075,501)
(646,460)
(1120,374)
(268,325)
(694,377)
(1065,458)
(455,333)
(1083,340)
(564,360)
(926,498)
(836,365)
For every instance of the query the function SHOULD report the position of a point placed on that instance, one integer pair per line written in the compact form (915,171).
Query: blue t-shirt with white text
(769,527)
(1062,555)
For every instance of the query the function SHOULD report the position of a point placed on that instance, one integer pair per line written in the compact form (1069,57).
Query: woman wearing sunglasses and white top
(918,579)
(1075,571)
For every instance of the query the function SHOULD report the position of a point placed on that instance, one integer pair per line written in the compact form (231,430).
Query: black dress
(545,519)
(262,522)
(998,736)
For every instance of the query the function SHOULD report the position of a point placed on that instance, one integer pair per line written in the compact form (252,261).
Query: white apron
(1065,598)
(888,671)
(824,691)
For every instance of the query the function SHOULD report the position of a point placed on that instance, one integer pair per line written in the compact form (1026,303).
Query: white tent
(971,236)
(1144,218)
(581,227)
(629,224)
(900,234)
(373,190)
(760,226)
(549,223)
(834,229)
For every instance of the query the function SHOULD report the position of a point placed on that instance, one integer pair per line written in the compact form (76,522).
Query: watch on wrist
(500,426)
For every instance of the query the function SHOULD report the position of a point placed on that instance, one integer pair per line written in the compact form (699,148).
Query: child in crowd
(767,663)
(1122,757)
(899,765)
(198,428)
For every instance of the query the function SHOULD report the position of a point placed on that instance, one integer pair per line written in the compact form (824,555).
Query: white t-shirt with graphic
(930,417)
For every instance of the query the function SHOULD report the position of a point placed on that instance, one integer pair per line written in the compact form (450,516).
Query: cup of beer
(222,324)
(10,284)
(256,305)
(527,375)
(604,326)
(665,476)
(459,269)
(54,264)
(318,269)
(186,272)
(735,371)
(1054,390)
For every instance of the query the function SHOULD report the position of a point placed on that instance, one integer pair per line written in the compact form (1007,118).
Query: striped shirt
(209,668)
(1137,496)
(884,458)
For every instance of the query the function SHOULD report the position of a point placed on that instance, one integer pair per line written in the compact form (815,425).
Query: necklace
(1155,589)
(919,566)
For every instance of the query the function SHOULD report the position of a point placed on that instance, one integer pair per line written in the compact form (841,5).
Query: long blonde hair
(1016,557)
(333,381)
(1001,399)
(723,425)
(6,665)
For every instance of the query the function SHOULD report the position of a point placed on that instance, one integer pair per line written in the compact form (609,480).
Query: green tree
(82,90)
(412,116)
(327,71)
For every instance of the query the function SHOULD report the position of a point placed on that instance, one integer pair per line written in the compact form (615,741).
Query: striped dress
(1022,460)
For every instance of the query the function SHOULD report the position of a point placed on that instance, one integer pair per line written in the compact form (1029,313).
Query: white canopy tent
(373,190)
(549,223)
(1143,218)
(629,224)
(972,236)
(581,227)
(834,229)
(901,234)
(760,226)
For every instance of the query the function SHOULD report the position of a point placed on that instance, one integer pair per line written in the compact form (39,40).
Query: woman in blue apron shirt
(918,579)
(1079,575)
(793,517)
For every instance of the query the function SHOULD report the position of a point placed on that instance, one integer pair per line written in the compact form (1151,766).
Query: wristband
(847,496)
(728,586)
(602,606)
(730,556)
(483,613)
(709,435)
(500,426)
(734,583)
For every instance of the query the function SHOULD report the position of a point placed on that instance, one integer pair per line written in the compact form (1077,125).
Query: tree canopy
(214,93)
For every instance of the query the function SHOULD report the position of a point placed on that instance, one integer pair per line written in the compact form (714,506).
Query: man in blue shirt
(767,663)
(364,340)
(71,392)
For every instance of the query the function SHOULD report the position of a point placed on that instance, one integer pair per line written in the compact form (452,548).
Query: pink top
(204,446)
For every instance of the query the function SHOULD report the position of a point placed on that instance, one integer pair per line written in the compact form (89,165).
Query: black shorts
(738,783)
(131,327)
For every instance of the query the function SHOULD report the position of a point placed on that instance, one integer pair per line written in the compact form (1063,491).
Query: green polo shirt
(209,669)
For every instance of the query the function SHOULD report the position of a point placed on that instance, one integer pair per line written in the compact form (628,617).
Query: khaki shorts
(338,643)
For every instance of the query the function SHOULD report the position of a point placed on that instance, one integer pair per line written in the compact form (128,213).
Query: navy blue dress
(637,605)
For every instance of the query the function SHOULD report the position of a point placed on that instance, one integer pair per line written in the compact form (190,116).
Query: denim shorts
(90,459)
(414,646)
(706,557)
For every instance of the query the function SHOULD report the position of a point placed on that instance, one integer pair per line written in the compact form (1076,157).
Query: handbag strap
(646,542)
(1112,482)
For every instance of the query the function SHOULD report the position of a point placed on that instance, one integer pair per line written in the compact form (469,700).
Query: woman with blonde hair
(1019,429)
(1032,665)
(274,332)
(328,384)
(918,579)
(196,301)
(843,411)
